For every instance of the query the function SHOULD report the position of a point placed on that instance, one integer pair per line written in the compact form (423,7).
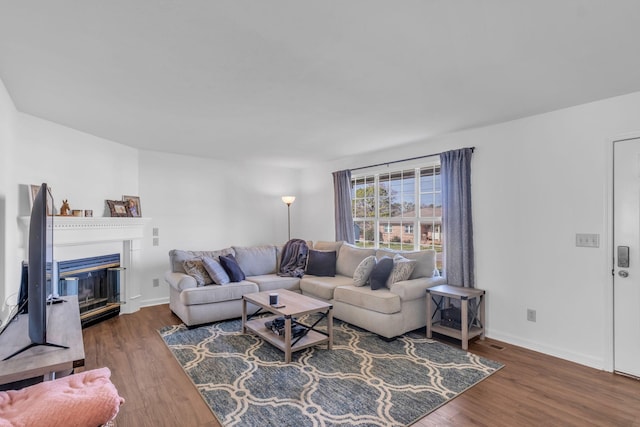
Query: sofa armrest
(412,289)
(180,281)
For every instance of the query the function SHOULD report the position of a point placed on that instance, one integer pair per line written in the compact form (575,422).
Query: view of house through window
(399,210)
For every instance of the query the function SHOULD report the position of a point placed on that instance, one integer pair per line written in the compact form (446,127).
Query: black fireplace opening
(96,282)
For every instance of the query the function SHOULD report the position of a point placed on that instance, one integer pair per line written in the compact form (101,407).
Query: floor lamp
(288,200)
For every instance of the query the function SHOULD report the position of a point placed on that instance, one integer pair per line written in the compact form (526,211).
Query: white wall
(205,204)
(536,182)
(7,112)
(79,167)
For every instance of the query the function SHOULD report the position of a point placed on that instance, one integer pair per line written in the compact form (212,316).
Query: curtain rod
(403,160)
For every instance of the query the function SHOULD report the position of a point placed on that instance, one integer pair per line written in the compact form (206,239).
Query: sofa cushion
(363,271)
(380,273)
(216,271)
(256,260)
(322,287)
(349,257)
(426,261)
(271,282)
(195,268)
(382,301)
(217,293)
(328,246)
(412,289)
(402,269)
(232,268)
(177,257)
(321,263)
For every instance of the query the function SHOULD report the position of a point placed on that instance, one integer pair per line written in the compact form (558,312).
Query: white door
(626,282)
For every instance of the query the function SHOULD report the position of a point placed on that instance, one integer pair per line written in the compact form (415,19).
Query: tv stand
(33,345)
(29,360)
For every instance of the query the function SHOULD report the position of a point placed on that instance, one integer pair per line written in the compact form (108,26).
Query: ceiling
(289,82)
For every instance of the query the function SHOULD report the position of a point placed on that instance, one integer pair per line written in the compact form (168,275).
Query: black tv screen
(40,263)
(39,270)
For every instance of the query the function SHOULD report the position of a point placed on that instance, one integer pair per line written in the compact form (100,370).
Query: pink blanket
(87,399)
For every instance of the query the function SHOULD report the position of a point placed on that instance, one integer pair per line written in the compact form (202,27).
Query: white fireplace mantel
(71,230)
(76,231)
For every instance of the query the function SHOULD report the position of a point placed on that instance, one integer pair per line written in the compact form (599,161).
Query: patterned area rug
(363,381)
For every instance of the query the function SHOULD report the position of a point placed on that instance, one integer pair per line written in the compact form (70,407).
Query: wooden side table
(469,328)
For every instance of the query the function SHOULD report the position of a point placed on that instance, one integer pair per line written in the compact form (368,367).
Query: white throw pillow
(402,269)
(363,271)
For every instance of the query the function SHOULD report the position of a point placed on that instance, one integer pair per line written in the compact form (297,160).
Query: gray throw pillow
(380,273)
(215,270)
(363,271)
(195,268)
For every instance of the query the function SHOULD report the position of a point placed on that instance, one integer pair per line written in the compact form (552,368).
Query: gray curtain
(455,172)
(342,201)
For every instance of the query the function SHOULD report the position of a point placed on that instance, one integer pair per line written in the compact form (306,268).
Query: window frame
(371,203)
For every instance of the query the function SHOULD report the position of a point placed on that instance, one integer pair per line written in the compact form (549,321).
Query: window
(399,210)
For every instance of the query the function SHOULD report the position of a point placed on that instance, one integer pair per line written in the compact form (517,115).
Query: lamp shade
(288,199)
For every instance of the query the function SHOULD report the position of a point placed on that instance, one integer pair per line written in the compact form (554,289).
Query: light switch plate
(585,240)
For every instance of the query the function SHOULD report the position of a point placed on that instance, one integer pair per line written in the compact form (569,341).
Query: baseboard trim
(155,301)
(579,358)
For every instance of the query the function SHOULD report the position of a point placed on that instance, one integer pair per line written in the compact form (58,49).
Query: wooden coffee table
(294,305)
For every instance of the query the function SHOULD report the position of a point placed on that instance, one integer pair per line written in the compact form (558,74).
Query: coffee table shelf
(309,340)
(293,304)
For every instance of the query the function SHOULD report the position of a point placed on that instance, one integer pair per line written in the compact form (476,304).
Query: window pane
(359,208)
(426,205)
(399,199)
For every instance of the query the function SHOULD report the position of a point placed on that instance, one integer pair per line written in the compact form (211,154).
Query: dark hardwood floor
(533,389)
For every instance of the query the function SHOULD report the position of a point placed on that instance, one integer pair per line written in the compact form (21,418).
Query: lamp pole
(288,200)
(289,220)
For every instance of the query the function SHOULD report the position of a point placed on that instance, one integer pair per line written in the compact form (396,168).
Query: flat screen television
(40,269)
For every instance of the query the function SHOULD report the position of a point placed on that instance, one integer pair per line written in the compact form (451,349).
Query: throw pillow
(402,269)
(195,269)
(381,273)
(363,271)
(321,263)
(215,270)
(232,268)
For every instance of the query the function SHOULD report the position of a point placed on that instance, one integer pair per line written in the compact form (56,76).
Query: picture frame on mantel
(133,204)
(33,191)
(118,208)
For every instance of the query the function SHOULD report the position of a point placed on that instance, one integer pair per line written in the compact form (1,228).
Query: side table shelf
(469,327)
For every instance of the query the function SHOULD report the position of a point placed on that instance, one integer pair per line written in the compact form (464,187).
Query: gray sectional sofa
(389,311)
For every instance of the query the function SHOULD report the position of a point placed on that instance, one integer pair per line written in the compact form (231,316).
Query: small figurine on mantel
(64,209)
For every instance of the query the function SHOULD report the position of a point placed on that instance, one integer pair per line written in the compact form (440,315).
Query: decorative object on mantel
(88,213)
(133,203)
(64,209)
(118,208)
(76,212)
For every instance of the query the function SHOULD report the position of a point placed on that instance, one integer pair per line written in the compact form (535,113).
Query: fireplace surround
(96,282)
(83,234)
